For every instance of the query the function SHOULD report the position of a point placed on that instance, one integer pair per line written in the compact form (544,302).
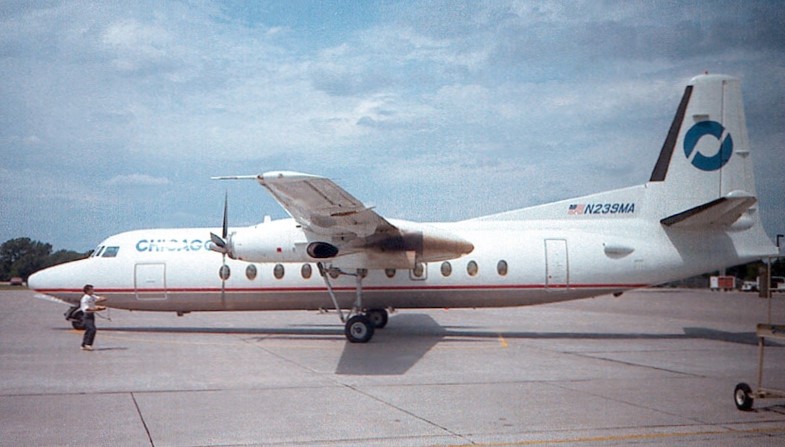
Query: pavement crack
(409,413)
(141,418)
(639,365)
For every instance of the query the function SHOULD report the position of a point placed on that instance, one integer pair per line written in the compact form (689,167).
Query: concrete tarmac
(653,367)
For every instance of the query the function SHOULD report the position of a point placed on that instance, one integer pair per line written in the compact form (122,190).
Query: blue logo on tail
(701,161)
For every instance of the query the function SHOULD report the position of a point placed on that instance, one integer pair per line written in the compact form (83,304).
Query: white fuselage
(517,263)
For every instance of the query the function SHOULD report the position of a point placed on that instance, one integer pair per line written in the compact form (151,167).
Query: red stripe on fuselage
(489,287)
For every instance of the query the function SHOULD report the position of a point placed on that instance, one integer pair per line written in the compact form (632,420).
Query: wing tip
(285,176)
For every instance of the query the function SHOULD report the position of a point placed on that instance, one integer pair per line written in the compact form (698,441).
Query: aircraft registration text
(601,208)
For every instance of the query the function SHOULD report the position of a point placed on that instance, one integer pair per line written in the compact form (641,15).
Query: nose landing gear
(74,315)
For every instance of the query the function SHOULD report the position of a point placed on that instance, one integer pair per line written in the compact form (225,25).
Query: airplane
(697,213)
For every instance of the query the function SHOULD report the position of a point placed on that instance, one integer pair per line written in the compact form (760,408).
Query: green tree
(22,257)
(63,256)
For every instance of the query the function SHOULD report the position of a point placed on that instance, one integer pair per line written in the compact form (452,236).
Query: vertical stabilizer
(703,182)
(706,155)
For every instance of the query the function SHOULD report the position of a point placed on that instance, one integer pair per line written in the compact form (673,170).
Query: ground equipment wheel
(742,396)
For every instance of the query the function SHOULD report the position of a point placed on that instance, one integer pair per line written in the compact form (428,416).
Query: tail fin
(704,169)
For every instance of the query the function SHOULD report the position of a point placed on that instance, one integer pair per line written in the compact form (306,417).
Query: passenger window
(250,272)
(446,269)
(389,272)
(501,267)
(471,268)
(419,271)
(110,252)
(278,271)
(306,271)
(224,272)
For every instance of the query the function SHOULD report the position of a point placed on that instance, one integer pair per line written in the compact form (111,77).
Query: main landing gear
(360,323)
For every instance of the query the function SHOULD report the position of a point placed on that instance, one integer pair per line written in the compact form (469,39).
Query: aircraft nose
(54,278)
(40,280)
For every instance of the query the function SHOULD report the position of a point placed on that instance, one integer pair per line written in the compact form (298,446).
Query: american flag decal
(576,210)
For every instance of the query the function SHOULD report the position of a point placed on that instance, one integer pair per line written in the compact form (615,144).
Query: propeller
(219,242)
(220,245)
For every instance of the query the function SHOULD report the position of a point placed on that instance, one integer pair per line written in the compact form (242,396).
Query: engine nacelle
(321,250)
(275,241)
(285,241)
(431,244)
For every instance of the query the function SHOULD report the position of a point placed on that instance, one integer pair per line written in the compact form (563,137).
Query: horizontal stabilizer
(722,212)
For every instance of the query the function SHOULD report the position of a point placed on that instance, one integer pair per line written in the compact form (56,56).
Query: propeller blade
(218,242)
(225,229)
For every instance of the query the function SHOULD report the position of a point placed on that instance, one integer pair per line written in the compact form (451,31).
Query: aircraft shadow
(406,340)
(406,327)
(743,338)
(298,332)
(409,337)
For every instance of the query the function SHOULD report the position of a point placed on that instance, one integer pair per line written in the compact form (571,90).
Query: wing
(322,207)
(327,213)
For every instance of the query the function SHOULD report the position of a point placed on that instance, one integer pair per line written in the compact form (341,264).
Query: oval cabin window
(306,271)
(278,271)
(224,272)
(501,267)
(446,269)
(250,272)
(418,270)
(471,268)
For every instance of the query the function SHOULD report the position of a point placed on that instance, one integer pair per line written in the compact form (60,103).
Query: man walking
(89,307)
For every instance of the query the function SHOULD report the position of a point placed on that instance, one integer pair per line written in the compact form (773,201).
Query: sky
(114,115)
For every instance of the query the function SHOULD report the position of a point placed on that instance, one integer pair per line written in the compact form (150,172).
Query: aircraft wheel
(742,396)
(359,329)
(378,317)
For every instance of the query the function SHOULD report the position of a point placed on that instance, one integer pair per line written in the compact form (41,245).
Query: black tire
(74,315)
(742,397)
(378,317)
(359,329)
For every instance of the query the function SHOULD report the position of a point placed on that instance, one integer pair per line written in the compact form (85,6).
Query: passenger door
(557,273)
(150,281)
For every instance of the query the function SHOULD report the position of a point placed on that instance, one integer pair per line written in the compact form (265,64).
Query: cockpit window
(110,252)
(98,251)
